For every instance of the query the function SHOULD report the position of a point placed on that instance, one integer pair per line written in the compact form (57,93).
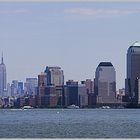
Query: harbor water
(70,123)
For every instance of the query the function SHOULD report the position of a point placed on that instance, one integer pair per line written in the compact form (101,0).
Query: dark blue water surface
(70,123)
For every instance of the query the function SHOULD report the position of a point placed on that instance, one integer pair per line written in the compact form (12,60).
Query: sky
(76,36)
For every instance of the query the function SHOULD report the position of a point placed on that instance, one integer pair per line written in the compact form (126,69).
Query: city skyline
(74,36)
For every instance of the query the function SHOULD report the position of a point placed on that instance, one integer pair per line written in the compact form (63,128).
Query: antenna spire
(2,58)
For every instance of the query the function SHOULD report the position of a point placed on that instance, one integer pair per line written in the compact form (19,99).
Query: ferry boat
(105,107)
(27,107)
(73,107)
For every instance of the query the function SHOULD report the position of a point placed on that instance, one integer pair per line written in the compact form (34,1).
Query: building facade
(105,83)
(137,91)
(82,95)
(55,76)
(30,86)
(133,71)
(71,92)
(3,78)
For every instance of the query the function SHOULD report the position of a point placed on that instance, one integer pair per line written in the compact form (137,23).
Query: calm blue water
(67,123)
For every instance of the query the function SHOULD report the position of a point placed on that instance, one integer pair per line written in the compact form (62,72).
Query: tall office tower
(42,79)
(137,91)
(89,85)
(82,95)
(31,86)
(14,88)
(90,91)
(2,77)
(42,83)
(20,88)
(133,71)
(105,83)
(71,92)
(55,76)
(8,89)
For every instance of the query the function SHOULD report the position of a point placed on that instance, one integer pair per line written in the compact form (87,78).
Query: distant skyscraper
(105,83)
(71,92)
(31,85)
(8,89)
(42,83)
(55,76)
(133,71)
(20,88)
(14,88)
(42,79)
(2,78)
(82,95)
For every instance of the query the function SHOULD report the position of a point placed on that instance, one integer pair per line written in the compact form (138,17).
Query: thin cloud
(97,13)
(15,11)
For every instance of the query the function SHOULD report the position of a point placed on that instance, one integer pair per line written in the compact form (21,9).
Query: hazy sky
(74,36)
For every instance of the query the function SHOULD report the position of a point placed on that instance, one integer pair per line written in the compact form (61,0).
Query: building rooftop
(134,48)
(137,43)
(105,64)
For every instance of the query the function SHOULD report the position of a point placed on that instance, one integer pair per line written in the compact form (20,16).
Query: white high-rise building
(2,78)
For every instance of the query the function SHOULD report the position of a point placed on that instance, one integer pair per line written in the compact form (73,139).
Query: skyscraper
(31,86)
(2,77)
(105,83)
(133,71)
(71,92)
(55,76)
(82,95)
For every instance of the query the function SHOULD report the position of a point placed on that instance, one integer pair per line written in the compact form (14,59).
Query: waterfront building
(14,88)
(137,90)
(89,85)
(3,77)
(21,102)
(11,101)
(105,83)
(32,101)
(71,92)
(42,79)
(42,83)
(90,91)
(20,88)
(8,90)
(133,72)
(55,76)
(82,95)
(51,97)
(60,95)
(30,86)
(120,94)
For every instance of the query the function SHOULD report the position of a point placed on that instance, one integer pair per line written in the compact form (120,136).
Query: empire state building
(2,77)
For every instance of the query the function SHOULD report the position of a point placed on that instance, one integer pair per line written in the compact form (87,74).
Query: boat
(73,107)
(27,107)
(105,107)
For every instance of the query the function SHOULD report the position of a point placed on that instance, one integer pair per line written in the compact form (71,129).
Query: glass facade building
(105,83)
(55,76)
(133,71)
